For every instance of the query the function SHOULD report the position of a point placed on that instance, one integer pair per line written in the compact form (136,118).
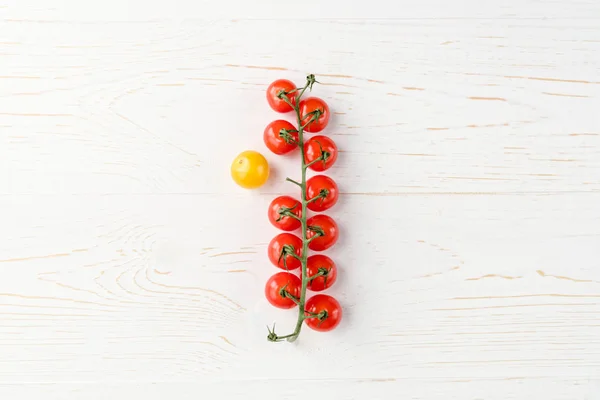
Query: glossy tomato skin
(273,90)
(285,223)
(276,283)
(276,246)
(312,151)
(275,142)
(250,169)
(330,229)
(321,184)
(311,104)
(323,303)
(313,265)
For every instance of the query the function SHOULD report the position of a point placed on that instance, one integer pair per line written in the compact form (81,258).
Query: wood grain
(132,267)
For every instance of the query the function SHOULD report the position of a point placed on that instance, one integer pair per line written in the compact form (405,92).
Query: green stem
(291,297)
(288,213)
(280,338)
(314,115)
(314,237)
(324,193)
(318,274)
(316,160)
(293,181)
(310,316)
(304,225)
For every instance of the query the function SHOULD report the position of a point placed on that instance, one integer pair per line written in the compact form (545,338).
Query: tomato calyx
(323,193)
(322,272)
(283,95)
(323,157)
(310,81)
(322,316)
(317,230)
(286,134)
(287,212)
(314,115)
(287,250)
(287,295)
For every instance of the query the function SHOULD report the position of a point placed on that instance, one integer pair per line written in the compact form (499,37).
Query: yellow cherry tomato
(250,169)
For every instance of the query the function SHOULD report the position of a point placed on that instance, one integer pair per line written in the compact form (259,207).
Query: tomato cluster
(287,213)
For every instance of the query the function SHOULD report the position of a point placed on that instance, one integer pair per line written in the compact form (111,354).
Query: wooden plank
(131,266)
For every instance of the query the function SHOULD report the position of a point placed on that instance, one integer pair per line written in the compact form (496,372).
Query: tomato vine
(321,312)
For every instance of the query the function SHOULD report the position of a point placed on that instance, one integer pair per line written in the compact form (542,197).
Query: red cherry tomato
(326,227)
(327,308)
(275,248)
(320,263)
(278,142)
(313,148)
(273,91)
(311,104)
(276,216)
(283,281)
(325,189)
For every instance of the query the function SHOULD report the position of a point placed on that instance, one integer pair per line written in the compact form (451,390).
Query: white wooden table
(131,267)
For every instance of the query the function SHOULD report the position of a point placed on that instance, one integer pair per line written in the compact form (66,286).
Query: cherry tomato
(320,263)
(328,309)
(277,284)
(283,203)
(276,246)
(311,104)
(278,142)
(313,148)
(321,185)
(274,89)
(250,169)
(328,229)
